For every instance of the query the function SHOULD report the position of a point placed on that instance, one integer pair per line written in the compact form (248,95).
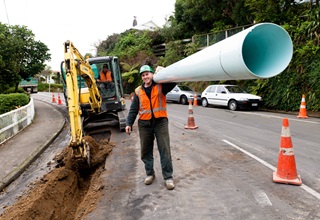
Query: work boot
(149,179)
(169,183)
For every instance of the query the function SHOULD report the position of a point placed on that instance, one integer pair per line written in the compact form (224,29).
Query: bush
(9,102)
(44,87)
(11,90)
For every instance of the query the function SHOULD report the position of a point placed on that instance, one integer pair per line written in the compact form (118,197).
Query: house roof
(150,25)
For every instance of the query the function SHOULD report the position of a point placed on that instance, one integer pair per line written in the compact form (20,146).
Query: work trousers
(150,130)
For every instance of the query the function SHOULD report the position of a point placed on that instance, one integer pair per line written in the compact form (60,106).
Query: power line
(4,2)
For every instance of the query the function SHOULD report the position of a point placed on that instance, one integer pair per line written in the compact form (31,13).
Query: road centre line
(303,186)
(273,116)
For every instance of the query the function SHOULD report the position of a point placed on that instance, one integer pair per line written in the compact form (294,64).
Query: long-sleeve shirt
(134,108)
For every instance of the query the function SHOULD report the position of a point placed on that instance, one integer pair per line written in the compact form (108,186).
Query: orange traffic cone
(195,101)
(191,123)
(303,108)
(53,98)
(59,100)
(286,171)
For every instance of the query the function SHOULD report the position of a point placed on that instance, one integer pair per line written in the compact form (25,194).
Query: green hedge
(12,90)
(44,87)
(9,102)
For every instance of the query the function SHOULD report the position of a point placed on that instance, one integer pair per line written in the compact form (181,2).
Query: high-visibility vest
(157,104)
(105,77)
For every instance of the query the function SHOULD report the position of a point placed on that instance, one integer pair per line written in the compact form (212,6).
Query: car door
(221,96)
(210,94)
(173,95)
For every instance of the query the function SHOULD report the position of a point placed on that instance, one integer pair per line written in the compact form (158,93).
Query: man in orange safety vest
(105,79)
(149,101)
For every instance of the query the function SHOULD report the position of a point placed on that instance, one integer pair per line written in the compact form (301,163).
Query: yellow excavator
(93,106)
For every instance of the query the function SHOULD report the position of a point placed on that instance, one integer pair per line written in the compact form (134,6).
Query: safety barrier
(206,40)
(14,121)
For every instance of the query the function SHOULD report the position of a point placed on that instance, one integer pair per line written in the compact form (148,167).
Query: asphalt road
(223,170)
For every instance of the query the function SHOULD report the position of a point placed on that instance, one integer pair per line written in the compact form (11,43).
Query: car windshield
(235,89)
(185,88)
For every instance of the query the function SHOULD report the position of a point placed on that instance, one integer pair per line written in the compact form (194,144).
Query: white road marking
(303,186)
(280,117)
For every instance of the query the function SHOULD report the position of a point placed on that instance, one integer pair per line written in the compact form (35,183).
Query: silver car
(182,94)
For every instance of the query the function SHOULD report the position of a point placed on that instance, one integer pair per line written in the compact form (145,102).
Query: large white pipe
(261,51)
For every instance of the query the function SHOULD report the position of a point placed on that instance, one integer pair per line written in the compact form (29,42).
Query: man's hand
(128,130)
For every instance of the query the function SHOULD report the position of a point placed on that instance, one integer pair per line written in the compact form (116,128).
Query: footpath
(17,153)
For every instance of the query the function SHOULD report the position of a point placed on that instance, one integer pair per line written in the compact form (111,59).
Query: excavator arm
(75,65)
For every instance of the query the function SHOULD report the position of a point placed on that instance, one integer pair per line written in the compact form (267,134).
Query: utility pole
(49,80)
(4,2)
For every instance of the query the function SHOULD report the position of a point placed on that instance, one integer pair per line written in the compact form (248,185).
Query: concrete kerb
(13,175)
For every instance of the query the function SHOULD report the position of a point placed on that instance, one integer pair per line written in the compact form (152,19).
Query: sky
(85,23)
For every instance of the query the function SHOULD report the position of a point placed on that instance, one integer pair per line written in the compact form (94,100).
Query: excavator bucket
(82,155)
(94,149)
(100,134)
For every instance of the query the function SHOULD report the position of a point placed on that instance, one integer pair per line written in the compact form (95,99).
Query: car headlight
(244,99)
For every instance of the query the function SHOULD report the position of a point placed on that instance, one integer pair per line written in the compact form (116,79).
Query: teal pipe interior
(267,50)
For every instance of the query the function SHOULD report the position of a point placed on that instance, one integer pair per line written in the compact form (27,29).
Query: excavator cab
(105,80)
(112,93)
(111,112)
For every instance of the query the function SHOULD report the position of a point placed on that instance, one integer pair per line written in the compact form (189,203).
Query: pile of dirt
(66,192)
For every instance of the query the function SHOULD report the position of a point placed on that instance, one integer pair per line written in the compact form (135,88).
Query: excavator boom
(75,66)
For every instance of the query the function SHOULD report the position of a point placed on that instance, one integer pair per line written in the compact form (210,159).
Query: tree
(106,47)
(8,56)
(132,42)
(202,16)
(57,77)
(275,11)
(131,76)
(174,52)
(21,55)
(88,55)
(241,14)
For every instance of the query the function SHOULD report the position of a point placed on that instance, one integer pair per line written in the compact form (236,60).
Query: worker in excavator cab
(106,83)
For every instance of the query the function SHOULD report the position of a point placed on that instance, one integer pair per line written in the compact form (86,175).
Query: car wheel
(184,100)
(204,102)
(233,105)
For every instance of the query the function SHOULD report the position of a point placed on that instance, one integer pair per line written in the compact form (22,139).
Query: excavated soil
(67,192)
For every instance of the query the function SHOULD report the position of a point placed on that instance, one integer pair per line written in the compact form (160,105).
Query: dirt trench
(67,192)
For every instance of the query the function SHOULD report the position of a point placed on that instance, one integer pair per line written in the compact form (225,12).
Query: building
(150,25)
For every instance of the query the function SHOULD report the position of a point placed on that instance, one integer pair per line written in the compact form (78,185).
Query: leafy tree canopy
(21,56)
